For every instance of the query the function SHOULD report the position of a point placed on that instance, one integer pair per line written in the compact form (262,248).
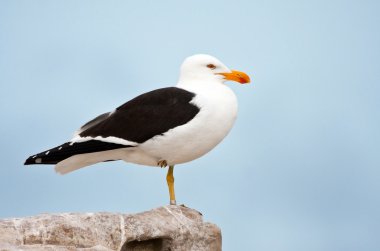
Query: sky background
(300,169)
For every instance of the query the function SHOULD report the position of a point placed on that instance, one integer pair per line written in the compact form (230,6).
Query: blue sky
(299,171)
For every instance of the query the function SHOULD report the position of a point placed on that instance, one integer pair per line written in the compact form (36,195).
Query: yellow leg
(170,180)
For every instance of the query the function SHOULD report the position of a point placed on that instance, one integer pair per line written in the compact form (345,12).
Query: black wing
(64,151)
(145,116)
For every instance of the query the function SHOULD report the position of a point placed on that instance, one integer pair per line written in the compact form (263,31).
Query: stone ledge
(164,228)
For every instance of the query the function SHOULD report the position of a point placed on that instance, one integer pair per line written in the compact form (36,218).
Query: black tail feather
(68,149)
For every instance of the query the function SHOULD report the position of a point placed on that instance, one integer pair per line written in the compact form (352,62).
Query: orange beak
(236,76)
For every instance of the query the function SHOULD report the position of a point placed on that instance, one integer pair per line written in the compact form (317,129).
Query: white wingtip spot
(38,160)
(47,152)
(34,156)
(60,148)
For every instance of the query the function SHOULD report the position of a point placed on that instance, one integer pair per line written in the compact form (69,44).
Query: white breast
(218,110)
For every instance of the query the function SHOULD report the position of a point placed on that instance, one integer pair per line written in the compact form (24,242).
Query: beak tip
(244,78)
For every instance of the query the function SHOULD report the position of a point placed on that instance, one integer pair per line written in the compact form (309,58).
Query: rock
(165,228)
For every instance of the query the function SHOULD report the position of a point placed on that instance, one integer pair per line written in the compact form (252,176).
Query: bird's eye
(211,66)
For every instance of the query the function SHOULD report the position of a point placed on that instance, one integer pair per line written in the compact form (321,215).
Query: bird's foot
(162,163)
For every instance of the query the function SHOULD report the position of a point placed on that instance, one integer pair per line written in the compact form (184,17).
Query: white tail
(82,160)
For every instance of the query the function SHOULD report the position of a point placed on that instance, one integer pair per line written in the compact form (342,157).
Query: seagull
(163,127)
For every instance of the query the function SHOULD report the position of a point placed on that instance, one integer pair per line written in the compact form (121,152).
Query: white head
(206,68)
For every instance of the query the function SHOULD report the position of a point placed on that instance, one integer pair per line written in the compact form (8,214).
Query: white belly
(194,139)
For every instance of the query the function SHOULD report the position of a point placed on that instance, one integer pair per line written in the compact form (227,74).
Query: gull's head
(202,68)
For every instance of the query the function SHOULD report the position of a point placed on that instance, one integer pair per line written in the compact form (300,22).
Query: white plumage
(218,111)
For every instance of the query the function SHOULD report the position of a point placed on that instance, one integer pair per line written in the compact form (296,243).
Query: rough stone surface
(161,229)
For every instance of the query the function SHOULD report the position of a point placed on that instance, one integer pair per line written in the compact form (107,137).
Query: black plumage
(145,116)
(66,150)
